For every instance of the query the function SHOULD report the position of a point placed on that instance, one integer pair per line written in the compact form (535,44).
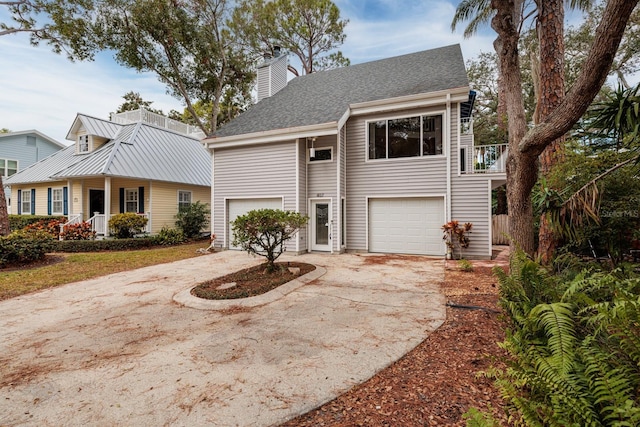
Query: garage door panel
(410,225)
(238,207)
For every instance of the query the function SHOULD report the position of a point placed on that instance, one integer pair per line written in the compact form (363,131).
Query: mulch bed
(438,381)
(251,281)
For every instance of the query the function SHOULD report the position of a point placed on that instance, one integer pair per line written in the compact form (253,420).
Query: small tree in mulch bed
(264,232)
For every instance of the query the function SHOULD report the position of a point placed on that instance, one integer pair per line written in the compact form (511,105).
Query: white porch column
(69,198)
(107,204)
(149,205)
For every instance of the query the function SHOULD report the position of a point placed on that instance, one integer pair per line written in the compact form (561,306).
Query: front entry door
(320,221)
(96,202)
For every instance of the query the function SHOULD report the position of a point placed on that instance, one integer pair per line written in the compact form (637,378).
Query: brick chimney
(272,73)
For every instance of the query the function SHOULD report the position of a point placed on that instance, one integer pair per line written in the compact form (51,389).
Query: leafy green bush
(264,232)
(103,245)
(18,222)
(574,346)
(169,236)
(22,247)
(127,225)
(192,219)
(79,231)
(465,265)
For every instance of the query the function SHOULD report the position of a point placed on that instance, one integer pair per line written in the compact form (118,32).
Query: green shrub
(127,225)
(192,219)
(465,265)
(79,231)
(103,245)
(264,232)
(18,222)
(574,346)
(22,247)
(169,236)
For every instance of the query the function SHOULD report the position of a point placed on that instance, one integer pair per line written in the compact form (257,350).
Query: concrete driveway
(118,350)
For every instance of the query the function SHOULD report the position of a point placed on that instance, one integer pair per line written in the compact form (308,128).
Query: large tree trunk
(525,147)
(551,94)
(4,215)
(519,181)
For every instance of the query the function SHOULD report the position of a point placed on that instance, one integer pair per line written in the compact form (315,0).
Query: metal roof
(93,126)
(324,96)
(137,151)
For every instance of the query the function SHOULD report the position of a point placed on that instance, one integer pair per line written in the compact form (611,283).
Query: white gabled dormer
(90,133)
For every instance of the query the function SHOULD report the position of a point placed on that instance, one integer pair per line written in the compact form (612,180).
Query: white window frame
(182,202)
(60,192)
(310,160)
(83,143)
(441,113)
(127,200)
(5,168)
(26,200)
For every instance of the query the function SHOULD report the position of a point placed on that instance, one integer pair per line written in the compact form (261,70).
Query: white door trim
(312,225)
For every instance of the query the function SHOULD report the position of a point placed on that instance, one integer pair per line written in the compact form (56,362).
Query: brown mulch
(48,259)
(438,381)
(251,281)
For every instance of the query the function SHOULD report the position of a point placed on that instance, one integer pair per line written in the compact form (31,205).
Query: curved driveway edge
(118,350)
(185,297)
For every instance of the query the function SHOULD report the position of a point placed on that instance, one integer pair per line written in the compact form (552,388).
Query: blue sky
(44,91)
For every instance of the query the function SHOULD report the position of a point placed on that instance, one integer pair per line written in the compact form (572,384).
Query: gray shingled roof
(137,151)
(324,96)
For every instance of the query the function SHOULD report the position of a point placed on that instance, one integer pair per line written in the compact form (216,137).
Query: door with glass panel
(320,225)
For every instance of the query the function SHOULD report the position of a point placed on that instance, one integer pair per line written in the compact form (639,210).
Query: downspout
(338,231)
(448,145)
(298,190)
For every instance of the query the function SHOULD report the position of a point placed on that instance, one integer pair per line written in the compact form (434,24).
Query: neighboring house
(113,168)
(21,149)
(379,156)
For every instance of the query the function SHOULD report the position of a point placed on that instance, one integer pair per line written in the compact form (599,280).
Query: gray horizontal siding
(415,176)
(471,202)
(258,171)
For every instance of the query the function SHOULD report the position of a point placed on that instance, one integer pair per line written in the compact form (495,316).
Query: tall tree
(63,24)
(310,29)
(525,145)
(134,101)
(186,44)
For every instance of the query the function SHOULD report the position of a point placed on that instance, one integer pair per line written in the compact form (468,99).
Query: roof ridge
(116,146)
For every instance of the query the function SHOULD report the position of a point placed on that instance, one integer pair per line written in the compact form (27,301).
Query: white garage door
(406,226)
(239,207)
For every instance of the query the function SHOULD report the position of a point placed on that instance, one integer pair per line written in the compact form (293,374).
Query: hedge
(103,245)
(21,247)
(18,222)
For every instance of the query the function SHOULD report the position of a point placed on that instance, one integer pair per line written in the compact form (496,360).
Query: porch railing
(145,116)
(73,219)
(490,158)
(99,223)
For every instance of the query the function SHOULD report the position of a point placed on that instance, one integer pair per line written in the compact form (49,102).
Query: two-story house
(21,149)
(136,162)
(379,155)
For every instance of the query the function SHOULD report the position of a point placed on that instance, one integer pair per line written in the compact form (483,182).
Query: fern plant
(574,347)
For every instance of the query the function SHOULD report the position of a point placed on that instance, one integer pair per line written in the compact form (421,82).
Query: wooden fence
(500,229)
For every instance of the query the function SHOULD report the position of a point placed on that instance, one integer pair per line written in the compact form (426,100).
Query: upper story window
(8,167)
(322,154)
(131,200)
(83,144)
(184,199)
(405,137)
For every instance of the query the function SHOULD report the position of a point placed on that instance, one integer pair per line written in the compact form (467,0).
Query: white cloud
(45,91)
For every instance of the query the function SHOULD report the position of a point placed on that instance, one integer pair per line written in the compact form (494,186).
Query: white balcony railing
(490,158)
(142,115)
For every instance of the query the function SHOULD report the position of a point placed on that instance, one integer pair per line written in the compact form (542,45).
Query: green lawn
(88,265)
